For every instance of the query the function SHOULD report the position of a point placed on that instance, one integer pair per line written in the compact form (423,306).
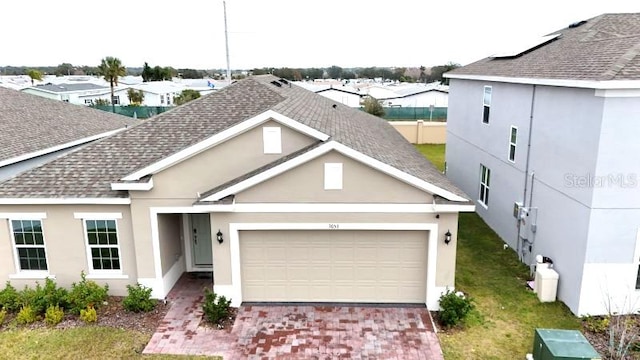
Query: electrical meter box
(562,345)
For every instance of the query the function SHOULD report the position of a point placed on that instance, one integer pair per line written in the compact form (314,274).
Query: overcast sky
(277,33)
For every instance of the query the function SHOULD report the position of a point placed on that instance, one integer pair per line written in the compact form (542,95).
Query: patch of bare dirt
(226,325)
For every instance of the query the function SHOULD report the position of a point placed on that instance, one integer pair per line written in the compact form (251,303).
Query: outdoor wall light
(219,236)
(447,237)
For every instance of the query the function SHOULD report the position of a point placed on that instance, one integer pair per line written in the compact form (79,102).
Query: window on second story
(485,176)
(486,102)
(513,140)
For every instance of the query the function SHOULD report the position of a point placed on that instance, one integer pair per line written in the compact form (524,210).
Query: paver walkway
(295,332)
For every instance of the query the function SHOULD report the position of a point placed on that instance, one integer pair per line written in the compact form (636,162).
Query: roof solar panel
(526,46)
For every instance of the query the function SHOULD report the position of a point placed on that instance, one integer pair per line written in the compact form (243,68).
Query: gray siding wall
(564,145)
(615,216)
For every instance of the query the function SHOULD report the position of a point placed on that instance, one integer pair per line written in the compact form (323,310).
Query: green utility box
(562,345)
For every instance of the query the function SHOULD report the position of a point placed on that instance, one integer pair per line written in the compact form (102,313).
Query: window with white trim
(333,176)
(485,176)
(272,140)
(486,102)
(103,245)
(513,141)
(116,100)
(28,240)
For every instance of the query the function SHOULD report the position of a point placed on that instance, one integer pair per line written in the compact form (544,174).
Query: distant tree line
(402,74)
(158,73)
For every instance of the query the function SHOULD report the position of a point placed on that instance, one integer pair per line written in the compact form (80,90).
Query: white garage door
(334,266)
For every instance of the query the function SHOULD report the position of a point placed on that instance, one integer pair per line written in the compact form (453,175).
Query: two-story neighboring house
(546,140)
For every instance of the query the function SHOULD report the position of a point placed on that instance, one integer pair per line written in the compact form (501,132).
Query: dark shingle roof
(30,123)
(606,47)
(89,171)
(59,88)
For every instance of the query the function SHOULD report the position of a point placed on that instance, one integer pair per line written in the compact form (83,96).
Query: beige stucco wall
(179,185)
(422,132)
(170,235)
(223,162)
(445,267)
(360,184)
(66,247)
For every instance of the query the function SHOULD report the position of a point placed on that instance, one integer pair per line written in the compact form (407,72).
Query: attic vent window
(276,83)
(284,81)
(576,24)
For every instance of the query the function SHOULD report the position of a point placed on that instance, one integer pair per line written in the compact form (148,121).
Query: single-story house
(36,130)
(418,96)
(74,93)
(282,194)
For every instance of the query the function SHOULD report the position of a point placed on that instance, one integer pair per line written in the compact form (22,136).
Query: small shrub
(27,297)
(9,298)
(138,299)
(3,314)
(54,315)
(215,308)
(596,324)
(47,296)
(85,294)
(89,315)
(26,315)
(454,307)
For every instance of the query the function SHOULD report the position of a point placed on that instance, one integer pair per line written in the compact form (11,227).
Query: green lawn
(506,312)
(433,152)
(88,342)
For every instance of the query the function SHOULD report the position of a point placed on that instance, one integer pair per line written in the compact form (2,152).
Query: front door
(201,240)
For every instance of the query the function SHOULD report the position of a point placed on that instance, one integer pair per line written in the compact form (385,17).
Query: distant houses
(91,90)
(391,94)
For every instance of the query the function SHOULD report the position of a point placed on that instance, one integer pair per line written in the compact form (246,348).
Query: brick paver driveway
(298,332)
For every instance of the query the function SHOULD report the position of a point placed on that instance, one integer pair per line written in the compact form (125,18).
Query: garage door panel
(343,266)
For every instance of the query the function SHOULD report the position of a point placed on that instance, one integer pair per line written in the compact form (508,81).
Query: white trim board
(234,290)
(144,186)
(588,84)
(52,149)
(344,150)
(64,201)
(97,216)
(23,215)
(331,208)
(223,136)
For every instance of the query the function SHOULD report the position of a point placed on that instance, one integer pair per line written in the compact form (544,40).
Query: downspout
(526,170)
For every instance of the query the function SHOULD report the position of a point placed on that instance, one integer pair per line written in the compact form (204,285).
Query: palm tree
(34,75)
(111,68)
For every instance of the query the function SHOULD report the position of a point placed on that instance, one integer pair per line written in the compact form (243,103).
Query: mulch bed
(226,325)
(600,340)
(112,314)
